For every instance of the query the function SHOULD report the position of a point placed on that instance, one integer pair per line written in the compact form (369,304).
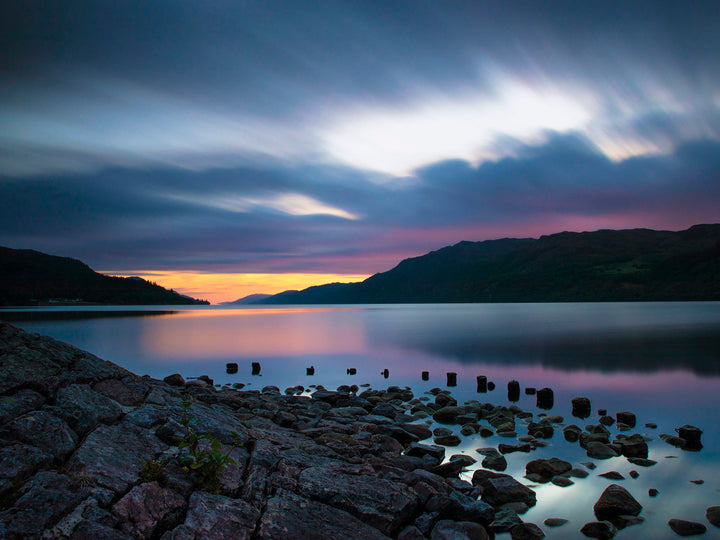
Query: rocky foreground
(90,450)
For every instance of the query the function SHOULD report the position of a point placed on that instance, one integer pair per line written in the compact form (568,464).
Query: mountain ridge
(29,277)
(604,265)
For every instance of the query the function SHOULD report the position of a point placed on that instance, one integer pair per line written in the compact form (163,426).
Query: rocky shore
(90,450)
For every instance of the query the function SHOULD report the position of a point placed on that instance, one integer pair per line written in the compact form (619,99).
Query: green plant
(204,458)
(153,470)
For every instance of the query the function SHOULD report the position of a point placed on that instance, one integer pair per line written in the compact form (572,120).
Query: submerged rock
(604,530)
(686,528)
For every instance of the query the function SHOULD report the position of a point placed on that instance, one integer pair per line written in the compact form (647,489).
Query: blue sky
(338,137)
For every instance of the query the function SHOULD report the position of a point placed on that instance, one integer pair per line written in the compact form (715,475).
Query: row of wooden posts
(545,396)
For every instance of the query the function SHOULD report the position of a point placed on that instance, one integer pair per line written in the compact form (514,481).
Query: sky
(232,147)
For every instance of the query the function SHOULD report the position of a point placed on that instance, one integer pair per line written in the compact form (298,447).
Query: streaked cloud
(311,137)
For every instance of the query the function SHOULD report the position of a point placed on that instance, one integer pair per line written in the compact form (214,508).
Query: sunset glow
(225,287)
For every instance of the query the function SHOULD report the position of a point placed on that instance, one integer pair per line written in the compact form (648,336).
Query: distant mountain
(249,299)
(29,277)
(606,265)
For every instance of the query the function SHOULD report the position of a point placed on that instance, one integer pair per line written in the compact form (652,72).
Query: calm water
(659,360)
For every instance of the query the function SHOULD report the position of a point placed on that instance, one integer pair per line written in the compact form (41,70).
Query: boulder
(495,461)
(548,467)
(626,418)
(713,515)
(175,380)
(604,530)
(504,521)
(599,450)
(686,528)
(448,440)
(44,431)
(615,501)
(448,415)
(421,450)
(555,522)
(526,531)
(505,489)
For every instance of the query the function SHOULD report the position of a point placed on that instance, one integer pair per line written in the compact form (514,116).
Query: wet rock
(615,501)
(626,418)
(44,431)
(697,482)
(541,430)
(606,420)
(562,481)
(482,385)
(448,415)
(510,448)
(634,474)
(686,528)
(651,425)
(421,450)
(545,398)
(571,433)
(495,461)
(288,515)
(604,530)
(378,502)
(456,530)
(448,440)
(147,507)
(450,469)
(175,380)
(485,431)
(555,522)
(633,446)
(612,475)
(460,507)
(652,492)
(215,517)
(581,407)
(691,435)
(526,531)
(641,462)
(504,521)
(713,515)
(464,459)
(548,467)
(420,431)
(672,440)
(505,489)
(513,391)
(600,450)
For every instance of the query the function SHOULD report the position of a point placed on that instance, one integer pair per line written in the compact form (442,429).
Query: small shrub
(204,458)
(153,471)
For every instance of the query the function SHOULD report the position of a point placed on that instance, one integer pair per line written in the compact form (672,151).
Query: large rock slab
(83,408)
(214,517)
(147,508)
(114,455)
(21,402)
(42,502)
(18,462)
(288,515)
(44,431)
(378,502)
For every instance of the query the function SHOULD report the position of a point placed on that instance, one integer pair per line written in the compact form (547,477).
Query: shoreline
(78,434)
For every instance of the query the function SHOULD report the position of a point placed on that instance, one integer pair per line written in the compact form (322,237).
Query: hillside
(606,265)
(29,277)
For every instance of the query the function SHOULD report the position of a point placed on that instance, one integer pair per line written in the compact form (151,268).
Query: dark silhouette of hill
(28,277)
(249,299)
(605,265)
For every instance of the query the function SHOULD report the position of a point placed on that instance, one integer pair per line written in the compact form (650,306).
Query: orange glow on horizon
(227,287)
